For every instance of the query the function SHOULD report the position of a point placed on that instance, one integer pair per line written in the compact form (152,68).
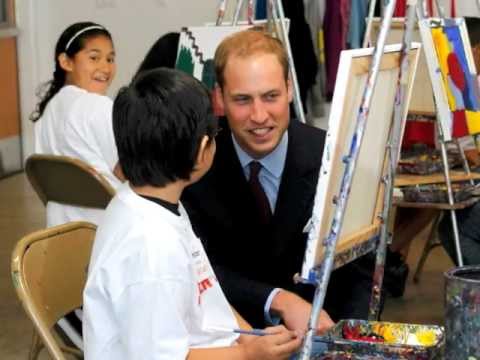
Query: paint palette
(360,339)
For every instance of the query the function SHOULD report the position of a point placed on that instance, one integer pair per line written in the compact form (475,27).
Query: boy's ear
(65,62)
(204,159)
(203,152)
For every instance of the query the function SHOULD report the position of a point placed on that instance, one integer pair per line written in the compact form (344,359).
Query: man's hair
(244,44)
(159,121)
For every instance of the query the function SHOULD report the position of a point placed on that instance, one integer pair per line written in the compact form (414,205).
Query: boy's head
(164,128)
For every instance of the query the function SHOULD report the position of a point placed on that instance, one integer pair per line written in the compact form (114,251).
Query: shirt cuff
(269,318)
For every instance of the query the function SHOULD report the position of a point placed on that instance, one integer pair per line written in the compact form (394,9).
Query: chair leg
(36,346)
(431,243)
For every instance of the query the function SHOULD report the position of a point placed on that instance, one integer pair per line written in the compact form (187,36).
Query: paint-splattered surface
(359,339)
(340,355)
(462,313)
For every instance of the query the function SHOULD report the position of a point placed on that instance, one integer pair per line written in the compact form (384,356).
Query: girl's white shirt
(78,124)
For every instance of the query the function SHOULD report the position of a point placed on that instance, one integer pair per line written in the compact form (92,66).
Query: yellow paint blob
(426,337)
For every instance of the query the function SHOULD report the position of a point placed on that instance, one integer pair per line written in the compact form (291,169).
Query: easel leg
(451,199)
(393,151)
(323,276)
(466,167)
(222,5)
(429,245)
(237,12)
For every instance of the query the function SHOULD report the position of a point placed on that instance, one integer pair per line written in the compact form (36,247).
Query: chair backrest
(49,271)
(68,181)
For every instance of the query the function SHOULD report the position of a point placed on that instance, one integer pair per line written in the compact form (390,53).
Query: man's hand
(295,312)
(325,323)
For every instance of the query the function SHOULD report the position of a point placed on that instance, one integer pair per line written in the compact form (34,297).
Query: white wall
(463,7)
(134,25)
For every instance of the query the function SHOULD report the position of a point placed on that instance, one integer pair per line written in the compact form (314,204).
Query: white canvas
(422,95)
(360,220)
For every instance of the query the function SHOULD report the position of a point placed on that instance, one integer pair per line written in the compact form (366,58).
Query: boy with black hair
(151,292)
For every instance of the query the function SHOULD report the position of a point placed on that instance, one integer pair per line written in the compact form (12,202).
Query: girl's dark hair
(163,53)
(75,44)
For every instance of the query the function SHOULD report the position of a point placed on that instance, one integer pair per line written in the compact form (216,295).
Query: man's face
(256,98)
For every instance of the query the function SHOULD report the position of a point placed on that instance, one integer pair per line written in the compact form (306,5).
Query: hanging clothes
(301,43)
(400,8)
(430,8)
(453,9)
(314,15)
(261,9)
(333,28)
(357,25)
(345,6)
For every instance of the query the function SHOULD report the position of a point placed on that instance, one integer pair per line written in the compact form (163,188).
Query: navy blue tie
(263,206)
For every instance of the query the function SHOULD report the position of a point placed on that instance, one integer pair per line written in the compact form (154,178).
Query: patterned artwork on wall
(197,47)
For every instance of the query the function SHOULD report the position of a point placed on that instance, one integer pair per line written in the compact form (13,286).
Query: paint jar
(462,313)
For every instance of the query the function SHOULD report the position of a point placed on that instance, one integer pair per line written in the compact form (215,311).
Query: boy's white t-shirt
(151,292)
(78,124)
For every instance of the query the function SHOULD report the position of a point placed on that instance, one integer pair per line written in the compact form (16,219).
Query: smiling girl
(74,117)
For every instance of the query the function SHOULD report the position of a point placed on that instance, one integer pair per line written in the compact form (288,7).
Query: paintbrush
(260,332)
(256,332)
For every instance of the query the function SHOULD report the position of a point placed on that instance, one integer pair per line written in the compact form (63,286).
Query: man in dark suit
(250,210)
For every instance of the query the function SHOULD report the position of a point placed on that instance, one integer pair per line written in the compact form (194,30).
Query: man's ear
(218,103)
(289,89)
(65,62)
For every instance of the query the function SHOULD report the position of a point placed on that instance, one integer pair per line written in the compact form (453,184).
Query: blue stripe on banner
(469,94)
(453,34)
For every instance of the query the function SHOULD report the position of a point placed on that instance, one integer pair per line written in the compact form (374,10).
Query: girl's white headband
(78,33)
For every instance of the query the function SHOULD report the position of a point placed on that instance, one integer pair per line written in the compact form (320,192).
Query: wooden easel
(321,276)
(435,108)
(443,110)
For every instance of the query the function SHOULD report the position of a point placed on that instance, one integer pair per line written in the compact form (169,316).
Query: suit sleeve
(246,295)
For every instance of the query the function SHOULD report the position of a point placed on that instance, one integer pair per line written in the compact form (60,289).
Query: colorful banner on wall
(459,78)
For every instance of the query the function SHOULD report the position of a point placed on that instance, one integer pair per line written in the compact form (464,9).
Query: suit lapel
(232,183)
(297,189)
(295,196)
